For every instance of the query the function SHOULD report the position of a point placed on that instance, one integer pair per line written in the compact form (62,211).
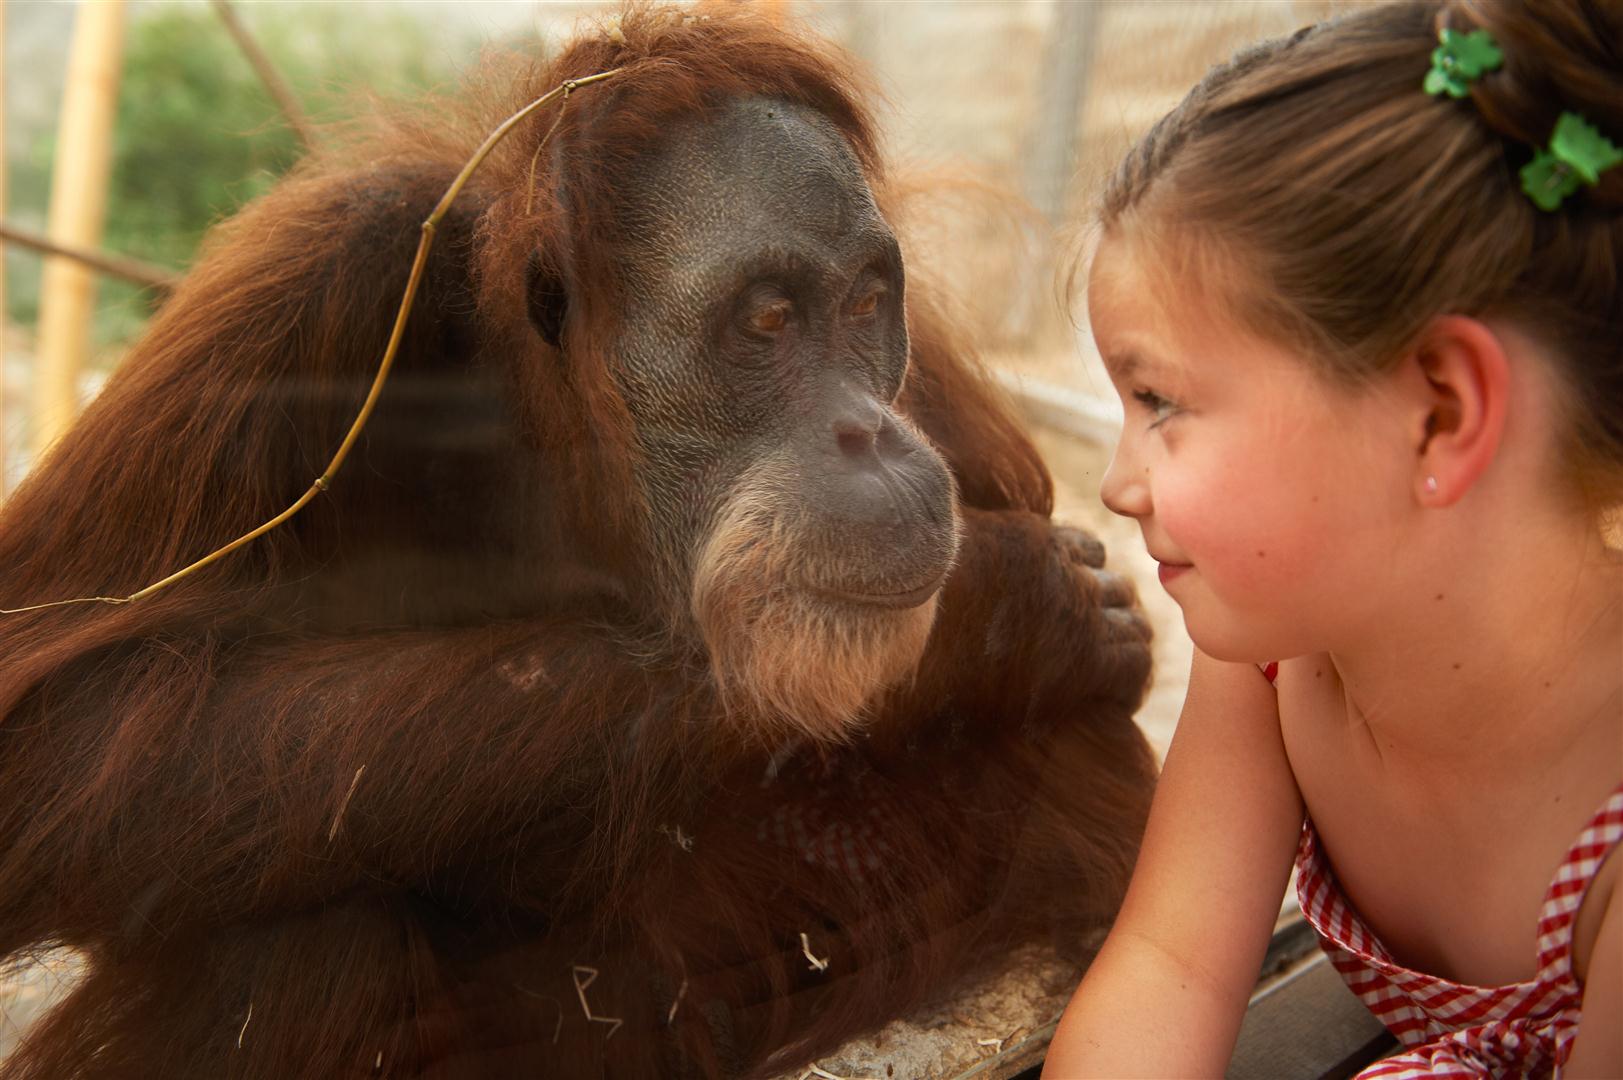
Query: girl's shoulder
(1309,692)
(1449,871)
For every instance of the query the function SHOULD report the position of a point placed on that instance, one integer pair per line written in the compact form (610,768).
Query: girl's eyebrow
(1121,363)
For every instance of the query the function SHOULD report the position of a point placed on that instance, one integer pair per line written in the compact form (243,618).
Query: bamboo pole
(5,322)
(79,176)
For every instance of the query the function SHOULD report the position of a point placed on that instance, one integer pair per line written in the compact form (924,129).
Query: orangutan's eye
(868,304)
(770,318)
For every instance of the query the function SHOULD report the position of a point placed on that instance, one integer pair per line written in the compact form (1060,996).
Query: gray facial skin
(763,343)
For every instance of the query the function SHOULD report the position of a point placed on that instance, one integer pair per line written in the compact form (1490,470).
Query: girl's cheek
(1226,526)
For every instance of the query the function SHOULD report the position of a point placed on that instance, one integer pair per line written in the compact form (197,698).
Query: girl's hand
(1168,992)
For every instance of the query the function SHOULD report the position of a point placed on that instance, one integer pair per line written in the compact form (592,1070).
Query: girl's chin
(1220,639)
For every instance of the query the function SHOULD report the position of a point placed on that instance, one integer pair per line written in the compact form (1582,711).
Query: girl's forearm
(1142,1013)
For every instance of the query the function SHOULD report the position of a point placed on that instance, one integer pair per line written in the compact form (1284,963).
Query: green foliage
(198,135)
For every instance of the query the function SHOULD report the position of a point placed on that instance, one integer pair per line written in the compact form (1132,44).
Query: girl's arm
(1169,989)
(1598,1049)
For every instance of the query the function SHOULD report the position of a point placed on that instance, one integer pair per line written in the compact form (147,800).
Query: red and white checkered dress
(1448,1029)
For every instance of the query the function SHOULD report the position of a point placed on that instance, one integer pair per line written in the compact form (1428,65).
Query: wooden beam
(79,177)
(261,63)
(144,274)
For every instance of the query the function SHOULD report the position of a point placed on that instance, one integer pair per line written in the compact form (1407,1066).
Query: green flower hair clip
(1459,61)
(1577,154)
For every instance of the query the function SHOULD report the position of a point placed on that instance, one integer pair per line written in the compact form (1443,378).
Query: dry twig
(580,991)
(681,992)
(824,1074)
(344,805)
(558,1028)
(997,1045)
(816,963)
(678,837)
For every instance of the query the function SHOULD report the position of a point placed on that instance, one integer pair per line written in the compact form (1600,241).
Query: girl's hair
(1365,206)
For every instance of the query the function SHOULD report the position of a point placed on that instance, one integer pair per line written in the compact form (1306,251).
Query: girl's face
(1270,496)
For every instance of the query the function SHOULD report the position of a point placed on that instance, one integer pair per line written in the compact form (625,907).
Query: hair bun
(1560,55)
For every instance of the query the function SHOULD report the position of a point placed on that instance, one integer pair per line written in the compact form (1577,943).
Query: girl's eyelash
(1161,408)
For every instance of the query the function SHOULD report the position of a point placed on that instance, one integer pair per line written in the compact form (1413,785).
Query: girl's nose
(1126,488)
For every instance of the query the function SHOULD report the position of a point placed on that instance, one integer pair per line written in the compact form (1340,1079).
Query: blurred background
(1008,112)
(131,126)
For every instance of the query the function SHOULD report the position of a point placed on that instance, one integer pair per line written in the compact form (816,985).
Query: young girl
(1360,294)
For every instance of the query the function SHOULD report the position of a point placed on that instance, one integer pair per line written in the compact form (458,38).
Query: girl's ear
(1464,396)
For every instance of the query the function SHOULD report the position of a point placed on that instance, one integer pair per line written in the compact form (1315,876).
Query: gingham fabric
(1448,1029)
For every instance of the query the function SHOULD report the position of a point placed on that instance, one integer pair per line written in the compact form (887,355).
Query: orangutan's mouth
(910,598)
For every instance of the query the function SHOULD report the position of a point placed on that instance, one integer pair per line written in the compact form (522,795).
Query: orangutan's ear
(544,293)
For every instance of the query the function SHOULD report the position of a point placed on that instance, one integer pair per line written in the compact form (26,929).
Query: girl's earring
(1431,485)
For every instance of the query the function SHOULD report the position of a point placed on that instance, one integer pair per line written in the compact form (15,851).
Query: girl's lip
(1167,571)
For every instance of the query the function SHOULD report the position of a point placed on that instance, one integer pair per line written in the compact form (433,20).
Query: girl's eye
(1160,408)
(772,318)
(868,304)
